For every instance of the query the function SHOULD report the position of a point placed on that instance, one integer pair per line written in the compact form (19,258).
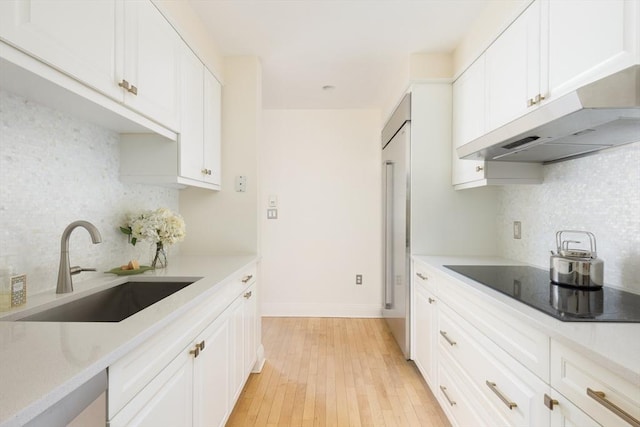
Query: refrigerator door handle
(388,239)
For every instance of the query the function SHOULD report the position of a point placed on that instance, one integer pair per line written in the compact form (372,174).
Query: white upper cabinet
(471,101)
(201,94)
(152,51)
(468,120)
(211,150)
(512,69)
(77,37)
(125,50)
(588,40)
(192,118)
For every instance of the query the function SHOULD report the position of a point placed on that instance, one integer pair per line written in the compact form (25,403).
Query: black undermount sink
(111,305)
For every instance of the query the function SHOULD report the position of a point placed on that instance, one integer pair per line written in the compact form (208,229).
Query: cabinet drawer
(510,391)
(574,375)
(526,344)
(453,394)
(425,277)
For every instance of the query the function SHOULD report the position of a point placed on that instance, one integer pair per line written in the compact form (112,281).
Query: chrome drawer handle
(449,340)
(600,397)
(422,276)
(248,294)
(479,168)
(245,279)
(444,391)
(431,300)
(502,397)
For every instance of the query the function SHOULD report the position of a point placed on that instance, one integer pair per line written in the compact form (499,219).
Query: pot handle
(592,240)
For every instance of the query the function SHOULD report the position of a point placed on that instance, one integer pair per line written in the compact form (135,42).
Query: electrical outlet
(358,279)
(272,213)
(517,230)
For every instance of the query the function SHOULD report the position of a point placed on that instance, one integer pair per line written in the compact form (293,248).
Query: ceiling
(360,47)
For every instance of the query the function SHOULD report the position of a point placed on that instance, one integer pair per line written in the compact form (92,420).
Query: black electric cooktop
(532,287)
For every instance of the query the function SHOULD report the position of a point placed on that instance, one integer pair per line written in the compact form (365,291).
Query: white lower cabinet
(424,325)
(211,404)
(510,392)
(167,400)
(606,397)
(494,369)
(200,384)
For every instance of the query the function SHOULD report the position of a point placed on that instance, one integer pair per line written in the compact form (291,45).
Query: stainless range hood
(599,115)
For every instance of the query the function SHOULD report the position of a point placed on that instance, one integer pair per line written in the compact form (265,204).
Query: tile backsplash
(55,169)
(598,193)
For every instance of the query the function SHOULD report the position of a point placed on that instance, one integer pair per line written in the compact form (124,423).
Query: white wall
(55,169)
(324,168)
(598,193)
(227,221)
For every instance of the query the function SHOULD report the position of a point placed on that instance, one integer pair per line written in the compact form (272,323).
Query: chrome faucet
(65,285)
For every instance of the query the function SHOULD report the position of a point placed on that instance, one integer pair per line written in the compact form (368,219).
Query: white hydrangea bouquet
(160,226)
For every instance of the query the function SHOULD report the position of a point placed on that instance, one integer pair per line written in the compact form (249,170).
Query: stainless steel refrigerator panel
(396,196)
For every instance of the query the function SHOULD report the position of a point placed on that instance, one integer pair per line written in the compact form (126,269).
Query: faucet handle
(77,269)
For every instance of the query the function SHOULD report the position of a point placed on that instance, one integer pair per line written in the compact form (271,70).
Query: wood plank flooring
(334,372)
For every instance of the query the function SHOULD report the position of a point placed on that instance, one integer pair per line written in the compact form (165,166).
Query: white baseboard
(320,310)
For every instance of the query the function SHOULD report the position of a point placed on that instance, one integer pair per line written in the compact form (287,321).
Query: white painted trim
(320,310)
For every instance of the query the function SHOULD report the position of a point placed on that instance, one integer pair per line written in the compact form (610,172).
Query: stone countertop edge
(37,368)
(612,345)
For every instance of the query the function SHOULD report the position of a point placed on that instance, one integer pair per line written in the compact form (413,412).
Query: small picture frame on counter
(18,290)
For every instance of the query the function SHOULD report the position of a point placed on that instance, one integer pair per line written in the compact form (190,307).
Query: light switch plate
(273,201)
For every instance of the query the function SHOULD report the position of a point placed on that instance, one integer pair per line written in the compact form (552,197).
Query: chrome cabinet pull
(539,97)
(124,84)
(431,300)
(449,340)
(422,276)
(549,402)
(248,294)
(600,397)
(502,397)
(530,102)
(444,391)
(133,90)
(200,345)
(245,279)
(479,168)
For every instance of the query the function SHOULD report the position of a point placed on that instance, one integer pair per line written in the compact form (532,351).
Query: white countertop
(42,362)
(615,346)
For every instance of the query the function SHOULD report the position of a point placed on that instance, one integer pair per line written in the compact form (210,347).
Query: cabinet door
(212,128)
(165,401)
(425,329)
(191,116)
(566,414)
(468,120)
(599,39)
(77,37)
(512,65)
(151,63)
(212,401)
(238,348)
(250,330)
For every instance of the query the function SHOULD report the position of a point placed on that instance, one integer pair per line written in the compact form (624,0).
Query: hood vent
(602,114)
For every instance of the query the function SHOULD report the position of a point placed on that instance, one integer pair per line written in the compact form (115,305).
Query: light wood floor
(334,372)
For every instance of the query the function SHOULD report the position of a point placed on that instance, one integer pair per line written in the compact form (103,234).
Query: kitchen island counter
(42,362)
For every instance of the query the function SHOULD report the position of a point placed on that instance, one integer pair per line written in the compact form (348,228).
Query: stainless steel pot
(576,267)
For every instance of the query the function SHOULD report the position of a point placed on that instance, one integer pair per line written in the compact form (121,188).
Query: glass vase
(159,256)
